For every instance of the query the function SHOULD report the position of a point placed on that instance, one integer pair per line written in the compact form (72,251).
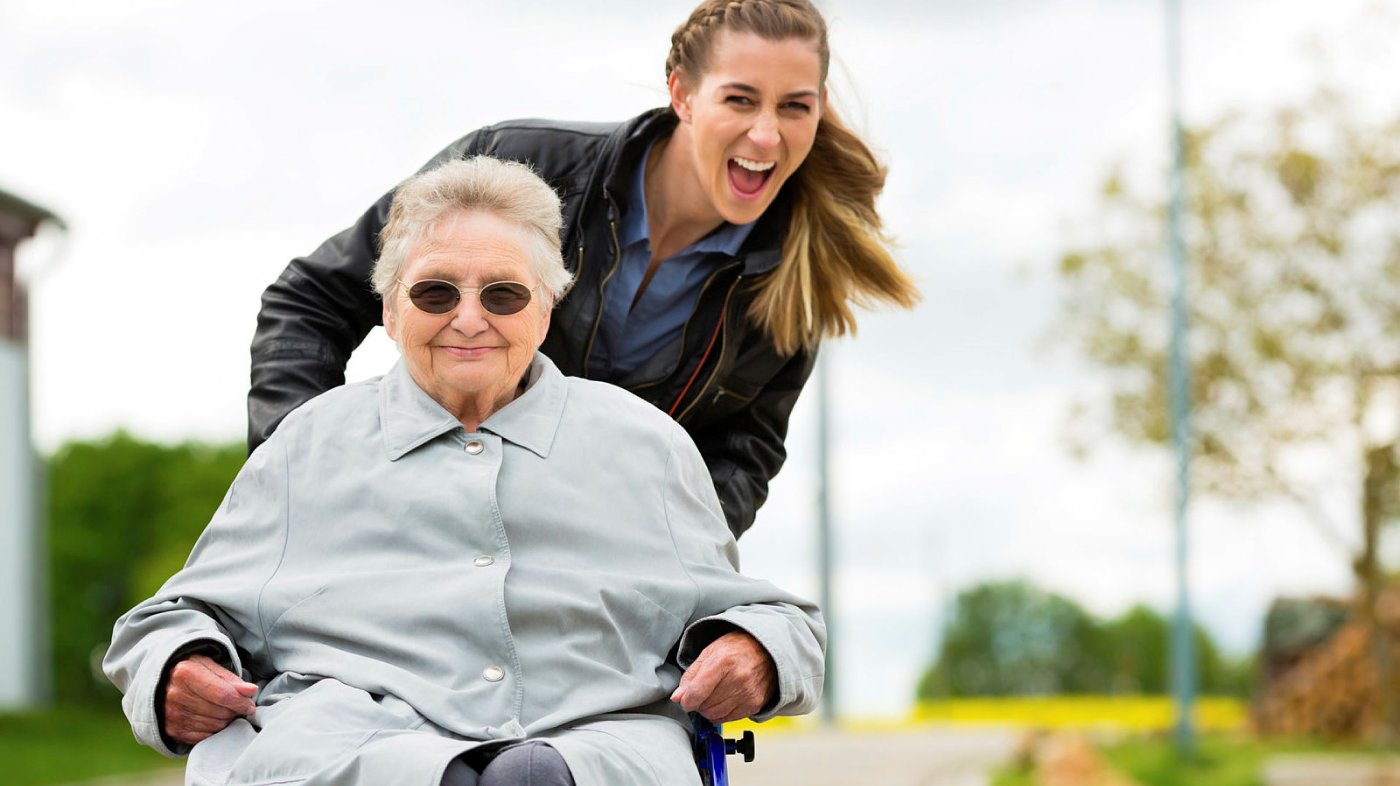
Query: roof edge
(26,209)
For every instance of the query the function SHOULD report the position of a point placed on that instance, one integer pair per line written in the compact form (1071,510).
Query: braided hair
(773,20)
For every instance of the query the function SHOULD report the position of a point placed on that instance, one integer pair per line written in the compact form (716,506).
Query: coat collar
(410,418)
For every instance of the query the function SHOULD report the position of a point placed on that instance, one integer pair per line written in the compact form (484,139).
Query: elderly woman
(472,569)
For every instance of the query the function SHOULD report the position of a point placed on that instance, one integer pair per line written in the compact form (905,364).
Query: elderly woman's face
(468,355)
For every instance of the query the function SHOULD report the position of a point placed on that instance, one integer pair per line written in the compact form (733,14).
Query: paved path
(926,757)
(1331,770)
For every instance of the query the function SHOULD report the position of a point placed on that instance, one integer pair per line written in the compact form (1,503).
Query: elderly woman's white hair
(504,188)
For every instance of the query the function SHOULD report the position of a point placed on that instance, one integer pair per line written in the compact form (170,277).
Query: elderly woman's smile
(470,359)
(465,352)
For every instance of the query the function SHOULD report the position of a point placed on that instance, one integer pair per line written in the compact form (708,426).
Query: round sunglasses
(501,298)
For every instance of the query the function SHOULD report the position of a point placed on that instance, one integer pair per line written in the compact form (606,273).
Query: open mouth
(748,177)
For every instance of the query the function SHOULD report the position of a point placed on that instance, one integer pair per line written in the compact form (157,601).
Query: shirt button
(493,673)
(483,561)
(474,447)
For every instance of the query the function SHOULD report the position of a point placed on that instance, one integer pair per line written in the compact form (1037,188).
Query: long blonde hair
(835,251)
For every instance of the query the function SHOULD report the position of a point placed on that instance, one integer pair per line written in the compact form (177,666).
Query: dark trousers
(526,764)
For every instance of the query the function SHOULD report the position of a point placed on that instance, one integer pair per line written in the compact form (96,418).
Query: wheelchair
(711,748)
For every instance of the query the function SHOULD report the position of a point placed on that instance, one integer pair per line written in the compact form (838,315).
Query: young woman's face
(752,119)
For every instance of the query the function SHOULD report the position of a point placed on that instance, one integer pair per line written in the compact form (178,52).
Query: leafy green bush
(1012,638)
(123,515)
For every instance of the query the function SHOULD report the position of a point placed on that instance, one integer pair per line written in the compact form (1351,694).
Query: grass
(65,745)
(1144,750)
(1220,760)
(1013,776)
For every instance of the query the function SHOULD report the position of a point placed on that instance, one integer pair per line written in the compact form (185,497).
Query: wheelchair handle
(711,748)
(743,746)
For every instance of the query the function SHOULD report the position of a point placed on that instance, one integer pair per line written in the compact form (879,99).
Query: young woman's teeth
(755,166)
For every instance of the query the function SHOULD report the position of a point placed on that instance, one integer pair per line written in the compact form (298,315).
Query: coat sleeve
(789,627)
(213,600)
(317,312)
(744,451)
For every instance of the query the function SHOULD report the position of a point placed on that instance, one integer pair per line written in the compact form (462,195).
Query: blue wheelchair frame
(711,748)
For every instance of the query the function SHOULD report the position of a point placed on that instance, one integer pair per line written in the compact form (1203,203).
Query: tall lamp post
(1183,660)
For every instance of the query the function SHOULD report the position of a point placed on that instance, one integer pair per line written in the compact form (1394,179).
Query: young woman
(714,243)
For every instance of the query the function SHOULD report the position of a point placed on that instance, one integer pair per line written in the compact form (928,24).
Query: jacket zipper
(685,329)
(602,286)
(714,372)
(578,269)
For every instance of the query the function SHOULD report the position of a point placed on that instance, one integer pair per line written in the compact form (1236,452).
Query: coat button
(474,447)
(483,561)
(493,673)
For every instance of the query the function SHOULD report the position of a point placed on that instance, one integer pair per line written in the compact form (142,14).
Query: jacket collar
(629,145)
(410,418)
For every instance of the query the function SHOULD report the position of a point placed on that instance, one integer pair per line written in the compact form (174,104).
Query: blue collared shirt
(630,335)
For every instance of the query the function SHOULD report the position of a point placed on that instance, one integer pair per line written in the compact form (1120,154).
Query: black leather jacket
(730,388)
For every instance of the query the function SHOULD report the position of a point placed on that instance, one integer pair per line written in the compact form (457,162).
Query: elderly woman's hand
(202,698)
(731,679)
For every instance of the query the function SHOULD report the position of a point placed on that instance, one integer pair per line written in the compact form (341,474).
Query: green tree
(123,515)
(1137,643)
(1294,244)
(1011,638)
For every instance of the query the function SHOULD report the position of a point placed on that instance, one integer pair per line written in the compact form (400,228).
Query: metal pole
(1183,661)
(825,538)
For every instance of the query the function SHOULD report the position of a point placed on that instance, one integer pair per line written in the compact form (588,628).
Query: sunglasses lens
(434,297)
(505,297)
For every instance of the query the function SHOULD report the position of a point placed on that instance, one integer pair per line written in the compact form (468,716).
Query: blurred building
(23,636)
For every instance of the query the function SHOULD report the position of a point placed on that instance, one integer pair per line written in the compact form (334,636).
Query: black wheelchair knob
(743,745)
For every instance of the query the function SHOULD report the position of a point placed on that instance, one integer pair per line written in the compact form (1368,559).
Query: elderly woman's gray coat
(404,591)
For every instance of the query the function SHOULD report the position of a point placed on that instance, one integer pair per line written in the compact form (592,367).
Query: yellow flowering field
(1109,713)
(1126,713)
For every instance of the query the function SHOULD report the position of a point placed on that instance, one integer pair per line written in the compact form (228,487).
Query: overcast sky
(193,148)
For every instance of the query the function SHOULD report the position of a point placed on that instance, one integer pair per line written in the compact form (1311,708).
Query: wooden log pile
(1329,693)
(1329,690)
